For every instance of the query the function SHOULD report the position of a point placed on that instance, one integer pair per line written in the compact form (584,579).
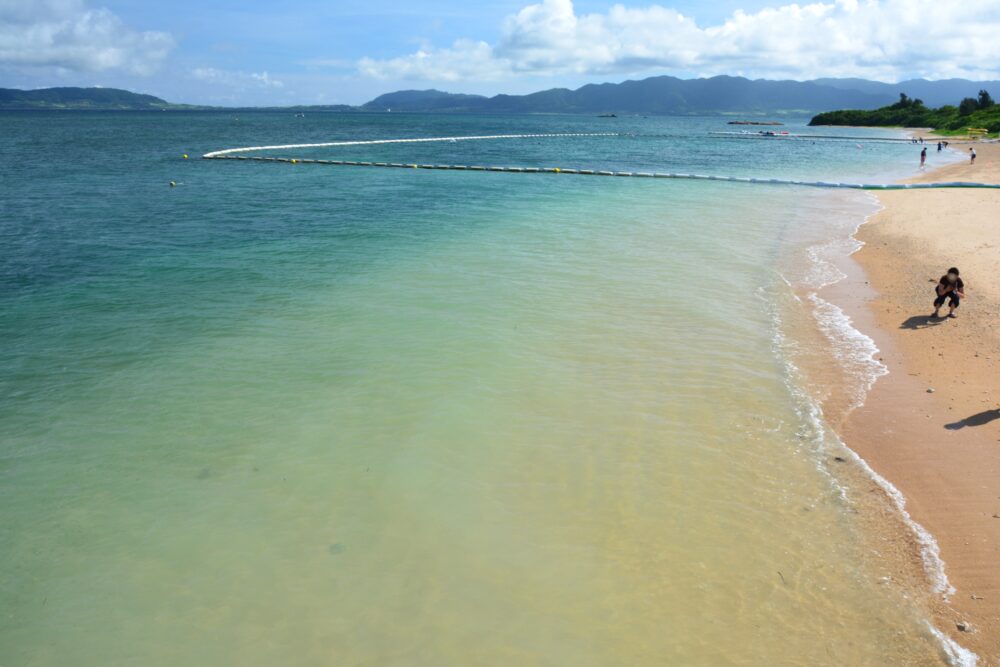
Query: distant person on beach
(972,156)
(951,289)
(923,157)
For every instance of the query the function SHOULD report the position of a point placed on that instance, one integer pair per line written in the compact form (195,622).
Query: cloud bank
(236,79)
(879,39)
(67,35)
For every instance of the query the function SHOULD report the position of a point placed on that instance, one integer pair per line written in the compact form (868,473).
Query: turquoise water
(316,415)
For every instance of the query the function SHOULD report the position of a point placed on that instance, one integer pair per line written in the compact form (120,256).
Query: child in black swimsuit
(951,289)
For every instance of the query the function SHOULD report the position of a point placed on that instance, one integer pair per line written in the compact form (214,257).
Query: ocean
(313,415)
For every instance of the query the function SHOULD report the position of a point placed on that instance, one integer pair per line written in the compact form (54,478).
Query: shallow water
(315,415)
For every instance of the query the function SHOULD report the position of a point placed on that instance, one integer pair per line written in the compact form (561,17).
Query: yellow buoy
(295,161)
(558,170)
(185,156)
(173,184)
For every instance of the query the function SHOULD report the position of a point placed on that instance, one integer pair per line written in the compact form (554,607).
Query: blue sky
(348,51)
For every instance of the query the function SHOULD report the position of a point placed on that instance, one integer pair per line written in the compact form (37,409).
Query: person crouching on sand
(951,289)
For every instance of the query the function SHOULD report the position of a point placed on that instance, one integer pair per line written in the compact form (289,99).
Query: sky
(275,52)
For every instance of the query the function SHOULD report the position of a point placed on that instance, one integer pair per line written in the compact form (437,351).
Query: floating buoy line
(241,155)
(419,140)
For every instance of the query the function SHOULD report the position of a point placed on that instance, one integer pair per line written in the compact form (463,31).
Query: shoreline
(927,427)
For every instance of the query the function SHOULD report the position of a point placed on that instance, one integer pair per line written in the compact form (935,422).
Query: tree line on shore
(972,112)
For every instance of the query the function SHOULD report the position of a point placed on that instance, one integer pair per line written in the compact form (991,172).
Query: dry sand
(940,448)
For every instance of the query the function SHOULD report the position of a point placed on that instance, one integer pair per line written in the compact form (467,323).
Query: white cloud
(236,79)
(66,35)
(882,39)
(465,60)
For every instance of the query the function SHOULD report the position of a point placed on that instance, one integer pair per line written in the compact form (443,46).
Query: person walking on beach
(951,289)
(972,156)
(923,157)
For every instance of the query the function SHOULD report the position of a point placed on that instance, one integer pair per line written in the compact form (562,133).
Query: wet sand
(932,425)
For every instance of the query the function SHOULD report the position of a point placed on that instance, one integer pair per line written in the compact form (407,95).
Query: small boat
(608,115)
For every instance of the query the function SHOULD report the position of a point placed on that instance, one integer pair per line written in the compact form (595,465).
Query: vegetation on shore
(972,112)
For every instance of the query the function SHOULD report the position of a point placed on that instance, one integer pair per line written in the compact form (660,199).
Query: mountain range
(659,95)
(669,95)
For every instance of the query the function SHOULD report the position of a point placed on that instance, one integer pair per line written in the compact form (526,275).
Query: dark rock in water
(839,459)
(335,549)
(964,626)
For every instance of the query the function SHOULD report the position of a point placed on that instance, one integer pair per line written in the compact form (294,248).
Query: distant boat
(608,115)
(300,115)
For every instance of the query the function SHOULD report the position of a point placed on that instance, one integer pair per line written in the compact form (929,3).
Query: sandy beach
(932,425)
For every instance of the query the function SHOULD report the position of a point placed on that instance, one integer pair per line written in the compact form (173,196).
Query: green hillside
(79,98)
(972,112)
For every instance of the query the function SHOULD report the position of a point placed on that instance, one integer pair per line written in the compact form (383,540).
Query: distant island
(80,98)
(658,95)
(972,113)
(114,99)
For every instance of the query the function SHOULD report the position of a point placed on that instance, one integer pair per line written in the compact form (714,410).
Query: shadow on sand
(975,420)
(921,322)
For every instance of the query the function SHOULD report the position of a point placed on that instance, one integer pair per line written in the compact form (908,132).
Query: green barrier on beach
(239,154)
